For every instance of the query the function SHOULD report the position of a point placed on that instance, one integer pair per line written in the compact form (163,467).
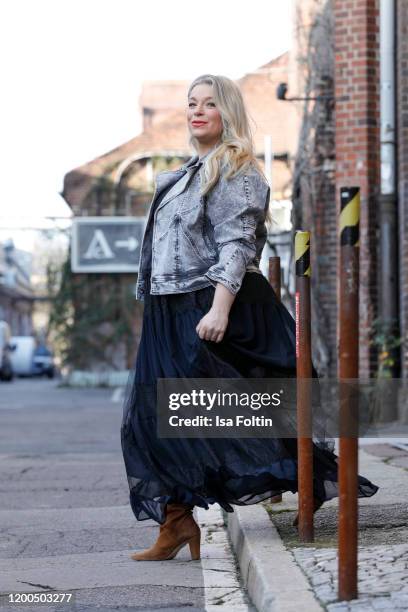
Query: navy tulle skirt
(259,342)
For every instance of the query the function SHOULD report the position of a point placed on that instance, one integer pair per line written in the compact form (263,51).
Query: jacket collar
(190,163)
(164,179)
(195,160)
(182,182)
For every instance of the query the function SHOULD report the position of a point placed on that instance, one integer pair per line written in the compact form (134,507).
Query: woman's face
(204,119)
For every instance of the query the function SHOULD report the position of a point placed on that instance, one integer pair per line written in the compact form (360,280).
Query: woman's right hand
(213,324)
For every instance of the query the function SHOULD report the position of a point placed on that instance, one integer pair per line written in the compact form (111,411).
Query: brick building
(337,51)
(314,202)
(402,171)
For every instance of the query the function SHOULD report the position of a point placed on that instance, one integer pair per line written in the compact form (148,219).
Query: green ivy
(385,338)
(92,314)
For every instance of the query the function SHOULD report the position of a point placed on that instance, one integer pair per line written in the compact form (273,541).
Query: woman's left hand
(213,325)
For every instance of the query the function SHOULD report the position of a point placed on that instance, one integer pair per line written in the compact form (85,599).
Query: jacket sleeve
(235,207)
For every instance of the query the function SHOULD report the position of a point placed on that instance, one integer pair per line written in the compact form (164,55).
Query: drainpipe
(388,205)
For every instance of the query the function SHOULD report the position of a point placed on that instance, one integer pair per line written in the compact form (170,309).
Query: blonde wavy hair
(235,153)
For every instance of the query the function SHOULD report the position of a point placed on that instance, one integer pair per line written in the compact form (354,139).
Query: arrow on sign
(131,244)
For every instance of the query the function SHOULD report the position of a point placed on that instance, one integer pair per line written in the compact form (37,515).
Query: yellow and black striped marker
(302,253)
(349,216)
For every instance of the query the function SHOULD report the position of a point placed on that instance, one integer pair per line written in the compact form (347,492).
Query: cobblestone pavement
(382,577)
(383,531)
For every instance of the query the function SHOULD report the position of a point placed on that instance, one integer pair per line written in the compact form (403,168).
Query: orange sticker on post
(297,317)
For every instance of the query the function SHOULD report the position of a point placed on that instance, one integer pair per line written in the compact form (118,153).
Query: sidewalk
(284,576)
(103,577)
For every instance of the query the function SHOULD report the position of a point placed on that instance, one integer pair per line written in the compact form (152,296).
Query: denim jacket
(191,241)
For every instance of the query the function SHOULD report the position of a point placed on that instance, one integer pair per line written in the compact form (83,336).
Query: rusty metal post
(274,277)
(348,369)
(304,375)
(274,274)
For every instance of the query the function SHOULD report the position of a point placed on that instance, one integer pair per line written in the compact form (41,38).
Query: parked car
(43,362)
(30,358)
(6,368)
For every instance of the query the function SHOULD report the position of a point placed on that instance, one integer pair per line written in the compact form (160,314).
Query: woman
(209,313)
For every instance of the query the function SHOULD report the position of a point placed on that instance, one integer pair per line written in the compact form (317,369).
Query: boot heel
(194,545)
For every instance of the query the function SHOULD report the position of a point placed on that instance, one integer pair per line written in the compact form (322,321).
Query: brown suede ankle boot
(178,530)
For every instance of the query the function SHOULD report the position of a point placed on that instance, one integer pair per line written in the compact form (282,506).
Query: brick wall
(402,169)
(357,120)
(314,170)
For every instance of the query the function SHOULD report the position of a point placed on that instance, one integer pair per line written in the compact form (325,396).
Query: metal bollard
(303,376)
(274,274)
(348,369)
(274,277)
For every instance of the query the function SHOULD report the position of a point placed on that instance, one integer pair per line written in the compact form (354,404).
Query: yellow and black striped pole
(348,369)
(304,375)
(349,226)
(302,253)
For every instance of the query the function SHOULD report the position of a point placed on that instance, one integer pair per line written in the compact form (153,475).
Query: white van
(23,354)
(6,370)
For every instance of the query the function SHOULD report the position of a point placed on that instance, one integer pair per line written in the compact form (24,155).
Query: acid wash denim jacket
(190,241)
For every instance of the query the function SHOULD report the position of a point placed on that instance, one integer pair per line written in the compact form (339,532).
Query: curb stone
(274,581)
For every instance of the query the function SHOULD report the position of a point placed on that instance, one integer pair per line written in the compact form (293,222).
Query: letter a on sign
(98,247)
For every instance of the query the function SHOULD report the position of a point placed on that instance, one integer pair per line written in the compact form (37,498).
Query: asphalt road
(65,520)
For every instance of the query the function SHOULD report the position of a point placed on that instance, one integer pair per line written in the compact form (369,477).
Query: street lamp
(282,89)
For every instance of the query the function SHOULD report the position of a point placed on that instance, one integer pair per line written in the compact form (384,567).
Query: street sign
(106,244)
